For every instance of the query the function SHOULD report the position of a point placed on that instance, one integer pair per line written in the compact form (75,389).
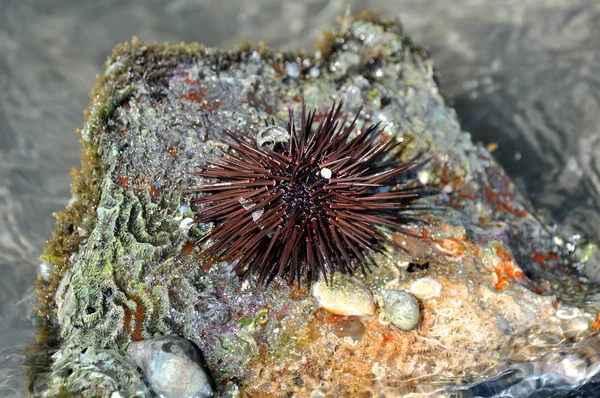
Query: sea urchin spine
(312,206)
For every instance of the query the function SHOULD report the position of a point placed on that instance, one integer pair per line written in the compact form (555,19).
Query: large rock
(124,265)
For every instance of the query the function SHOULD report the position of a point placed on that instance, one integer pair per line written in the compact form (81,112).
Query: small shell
(344,295)
(271,136)
(401,308)
(173,367)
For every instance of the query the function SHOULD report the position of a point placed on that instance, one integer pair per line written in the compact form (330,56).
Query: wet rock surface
(126,263)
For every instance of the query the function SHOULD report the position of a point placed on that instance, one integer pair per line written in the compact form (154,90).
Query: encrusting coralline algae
(123,265)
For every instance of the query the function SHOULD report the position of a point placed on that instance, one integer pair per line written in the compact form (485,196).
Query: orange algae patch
(502,280)
(492,146)
(211,107)
(190,81)
(491,195)
(387,338)
(196,96)
(506,207)
(187,249)
(297,293)
(522,213)
(544,260)
(504,255)
(138,316)
(207,264)
(506,269)
(451,247)
(538,258)
(596,324)
(124,181)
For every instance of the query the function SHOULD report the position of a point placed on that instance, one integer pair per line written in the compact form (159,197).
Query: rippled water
(523,74)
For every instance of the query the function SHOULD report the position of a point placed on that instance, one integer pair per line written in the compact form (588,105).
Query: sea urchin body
(316,204)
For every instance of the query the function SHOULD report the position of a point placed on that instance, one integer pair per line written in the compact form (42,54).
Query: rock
(344,295)
(401,308)
(172,366)
(123,267)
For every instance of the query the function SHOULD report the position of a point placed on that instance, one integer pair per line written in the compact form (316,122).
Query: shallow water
(523,74)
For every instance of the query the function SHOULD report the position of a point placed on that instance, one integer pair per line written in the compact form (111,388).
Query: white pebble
(326,173)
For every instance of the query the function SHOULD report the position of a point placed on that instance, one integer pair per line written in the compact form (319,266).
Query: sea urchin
(313,205)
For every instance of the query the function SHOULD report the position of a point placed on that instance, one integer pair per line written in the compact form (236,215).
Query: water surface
(524,74)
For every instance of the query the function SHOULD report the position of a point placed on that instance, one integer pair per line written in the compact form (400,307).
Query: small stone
(401,308)
(426,288)
(344,295)
(172,366)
